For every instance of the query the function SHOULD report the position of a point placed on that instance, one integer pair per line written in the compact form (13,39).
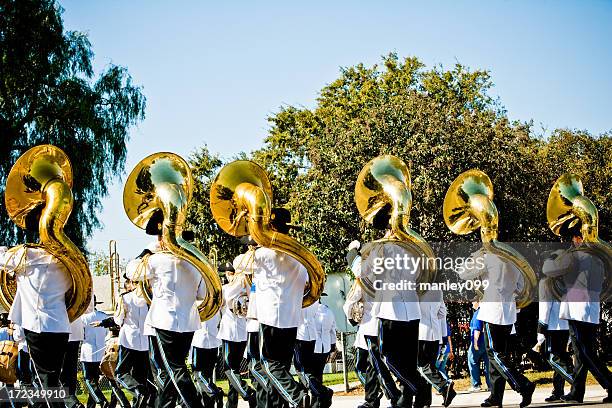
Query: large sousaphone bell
(42,177)
(384,185)
(468,205)
(163,181)
(241,203)
(568,207)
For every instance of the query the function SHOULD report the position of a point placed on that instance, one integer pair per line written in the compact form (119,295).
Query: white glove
(354,245)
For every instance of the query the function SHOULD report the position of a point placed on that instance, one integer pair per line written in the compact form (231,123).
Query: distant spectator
(477,353)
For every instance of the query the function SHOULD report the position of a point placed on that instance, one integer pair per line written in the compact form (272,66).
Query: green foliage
(48,94)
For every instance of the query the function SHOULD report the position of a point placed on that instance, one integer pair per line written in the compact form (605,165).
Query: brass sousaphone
(42,177)
(163,181)
(241,203)
(568,207)
(468,205)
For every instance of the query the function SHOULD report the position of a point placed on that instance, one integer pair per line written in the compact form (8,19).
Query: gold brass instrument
(42,176)
(567,206)
(114,272)
(468,205)
(384,182)
(241,203)
(163,181)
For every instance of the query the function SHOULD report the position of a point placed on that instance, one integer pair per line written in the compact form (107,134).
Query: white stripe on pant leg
(274,380)
(499,362)
(170,372)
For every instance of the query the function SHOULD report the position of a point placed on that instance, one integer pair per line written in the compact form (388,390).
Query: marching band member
(583,275)
(70,366)
(232,331)
(204,353)
(375,373)
(303,357)
(39,307)
(176,286)
(279,311)
(325,326)
(555,332)
(92,351)
(498,313)
(433,313)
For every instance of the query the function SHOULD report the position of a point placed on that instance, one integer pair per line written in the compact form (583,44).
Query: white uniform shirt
(549,309)
(433,315)
(176,286)
(369,324)
(77,329)
(307,330)
(252,322)
(583,275)
(400,304)
(280,281)
(326,329)
(206,337)
(93,346)
(131,315)
(40,301)
(19,337)
(232,328)
(498,305)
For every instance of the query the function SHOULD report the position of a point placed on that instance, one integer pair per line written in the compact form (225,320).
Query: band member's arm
(201,293)
(137,269)
(451,354)
(473,267)
(558,264)
(120,313)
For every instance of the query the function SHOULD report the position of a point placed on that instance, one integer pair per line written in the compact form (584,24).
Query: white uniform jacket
(232,328)
(206,337)
(392,303)
(42,283)
(369,324)
(94,345)
(307,330)
(433,315)
(252,322)
(498,305)
(583,275)
(549,309)
(19,337)
(176,285)
(326,329)
(131,315)
(280,281)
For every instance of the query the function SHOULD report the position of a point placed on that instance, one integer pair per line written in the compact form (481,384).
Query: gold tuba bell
(163,181)
(384,182)
(468,205)
(568,207)
(241,203)
(42,176)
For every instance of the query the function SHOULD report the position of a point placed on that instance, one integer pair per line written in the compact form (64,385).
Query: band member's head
(280,219)
(228,269)
(32,220)
(96,302)
(154,226)
(382,218)
(247,241)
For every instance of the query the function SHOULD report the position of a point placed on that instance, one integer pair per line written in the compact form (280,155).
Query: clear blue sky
(212,72)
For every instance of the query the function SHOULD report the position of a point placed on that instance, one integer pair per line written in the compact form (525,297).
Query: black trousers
(366,372)
(24,368)
(117,396)
(583,343)
(258,376)
(398,341)
(430,376)
(132,370)
(174,348)
(306,363)
(385,378)
(47,365)
(232,357)
(203,362)
(322,399)
(160,376)
(276,348)
(559,359)
(68,377)
(91,375)
(501,368)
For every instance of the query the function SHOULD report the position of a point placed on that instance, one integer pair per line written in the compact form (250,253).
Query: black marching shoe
(553,398)
(527,395)
(489,403)
(571,398)
(449,394)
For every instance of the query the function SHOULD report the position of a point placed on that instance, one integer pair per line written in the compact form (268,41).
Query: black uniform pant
(366,372)
(117,395)
(559,359)
(276,348)
(91,375)
(47,354)
(305,362)
(174,348)
(322,399)
(159,374)
(203,362)
(259,379)
(430,375)
(398,341)
(132,370)
(501,368)
(385,378)
(24,368)
(232,357)
(583,336)
(68,377)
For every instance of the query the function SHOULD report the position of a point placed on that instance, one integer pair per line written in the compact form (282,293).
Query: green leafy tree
(49,94)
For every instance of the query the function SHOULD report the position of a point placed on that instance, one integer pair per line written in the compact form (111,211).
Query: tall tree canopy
(49,94)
